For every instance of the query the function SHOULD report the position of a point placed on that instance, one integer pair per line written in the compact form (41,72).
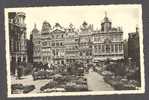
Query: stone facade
(17,39)
(36,44)
(134,47)
(45,43)
(85,42)
(107,42)
(59,45)
(71,45)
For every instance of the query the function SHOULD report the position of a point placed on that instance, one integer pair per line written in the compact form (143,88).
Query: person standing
(19,70)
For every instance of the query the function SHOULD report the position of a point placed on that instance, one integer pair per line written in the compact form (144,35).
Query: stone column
(122,48)
(101,48)
(22,58)
(110,48)
(10,58)
(16,58)
(98,48)
(105,48)
(114,48)
(26,59)
(118,48)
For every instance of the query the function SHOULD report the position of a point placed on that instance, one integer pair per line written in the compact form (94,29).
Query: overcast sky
(125,16)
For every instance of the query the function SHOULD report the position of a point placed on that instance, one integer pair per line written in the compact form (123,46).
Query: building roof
(35,30)
(106,19)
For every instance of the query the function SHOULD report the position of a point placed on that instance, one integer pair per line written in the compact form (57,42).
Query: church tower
(106,24)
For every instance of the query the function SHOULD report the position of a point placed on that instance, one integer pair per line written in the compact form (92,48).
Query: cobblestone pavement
(96,82)
(28,80)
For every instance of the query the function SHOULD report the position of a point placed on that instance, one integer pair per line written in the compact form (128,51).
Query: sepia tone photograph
(74,50)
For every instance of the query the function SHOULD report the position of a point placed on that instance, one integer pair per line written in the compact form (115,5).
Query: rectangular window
(86,53)
(95,48)
(44,43)
(80,53)
(57,36)
(99,48)
(116,47)
(107,48)
(98,38)
(53,36)
(61,44)
(112,48)
(120,47)
(49,58)
(57,44)
(53,44)
(103,47)
(53,52)
(38,42)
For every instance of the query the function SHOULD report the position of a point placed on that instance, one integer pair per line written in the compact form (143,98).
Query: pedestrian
(19,71)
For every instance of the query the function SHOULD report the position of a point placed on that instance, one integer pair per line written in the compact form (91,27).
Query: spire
(105,14)
(84,23)
(70,25)
(106,24)
(35,30)
(34,25)
(106,19)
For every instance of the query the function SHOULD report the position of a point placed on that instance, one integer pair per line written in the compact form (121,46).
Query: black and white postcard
(74,50)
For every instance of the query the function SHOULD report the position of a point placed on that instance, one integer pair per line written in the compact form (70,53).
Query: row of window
(15,45)
(72,48)
(58,52)
(111,55)
(52,44)
(113,38)
(108,48)
(46,58)
(58,36)
(88,53)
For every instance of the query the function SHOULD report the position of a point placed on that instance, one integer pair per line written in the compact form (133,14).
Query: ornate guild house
(107,42)
(17,39)
(59,45)
(71,45)
(36,47)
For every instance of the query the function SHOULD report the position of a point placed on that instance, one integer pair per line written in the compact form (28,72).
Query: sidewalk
(96,82)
